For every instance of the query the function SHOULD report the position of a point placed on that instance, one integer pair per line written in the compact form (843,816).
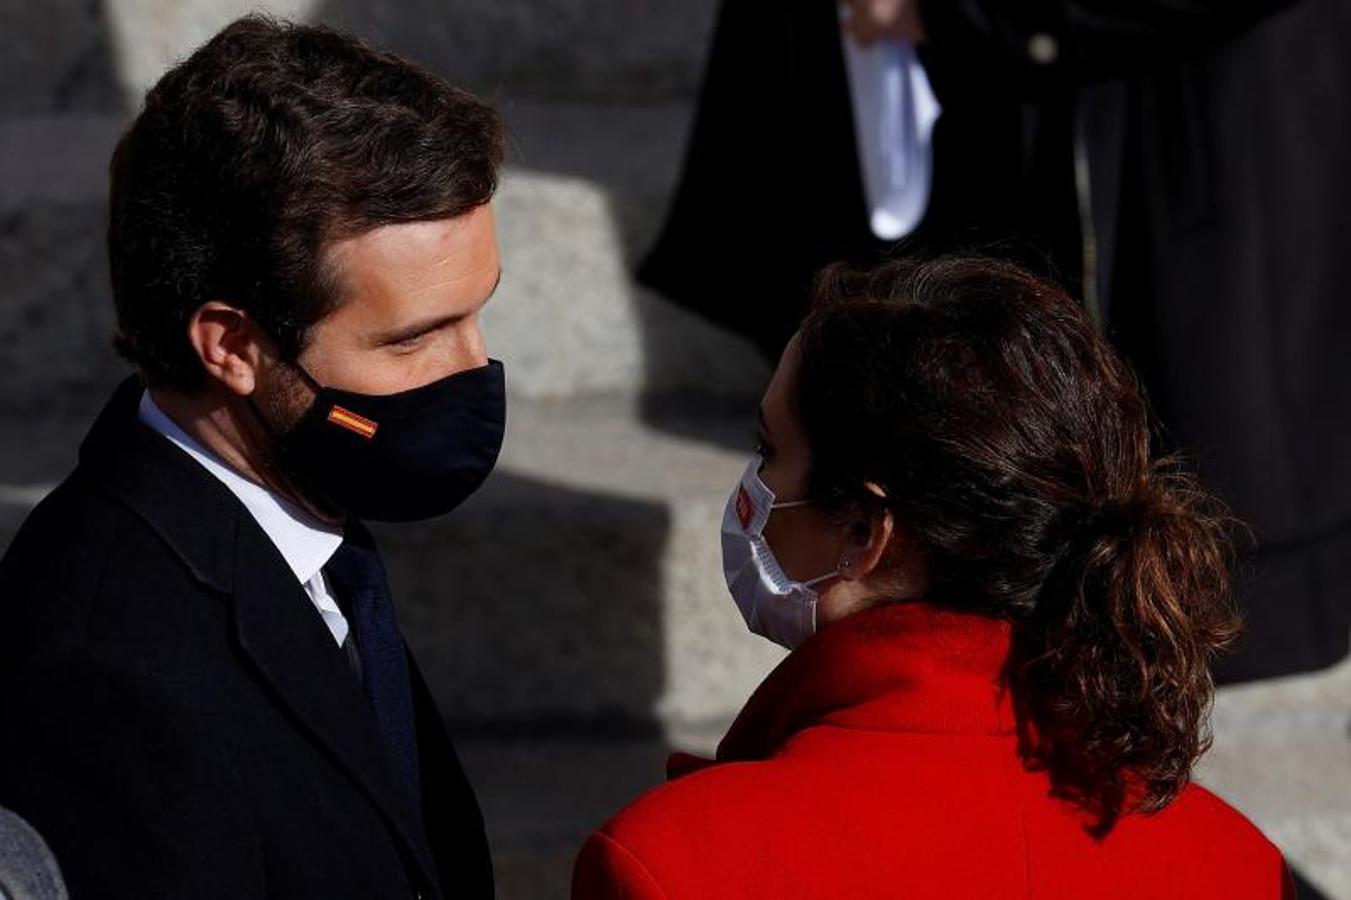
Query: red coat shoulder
(879,760)
(779,829)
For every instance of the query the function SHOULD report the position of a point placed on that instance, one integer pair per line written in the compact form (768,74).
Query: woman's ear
(869,538)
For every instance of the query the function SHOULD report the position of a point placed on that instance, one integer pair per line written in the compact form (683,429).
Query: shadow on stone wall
(536,609)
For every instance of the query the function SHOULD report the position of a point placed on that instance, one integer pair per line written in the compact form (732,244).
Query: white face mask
(773,605)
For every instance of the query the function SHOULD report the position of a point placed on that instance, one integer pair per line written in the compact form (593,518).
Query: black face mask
(398,457)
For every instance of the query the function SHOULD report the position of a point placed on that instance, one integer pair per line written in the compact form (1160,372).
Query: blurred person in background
(203,686)
(1180,165)
(27,869)
(1002,611)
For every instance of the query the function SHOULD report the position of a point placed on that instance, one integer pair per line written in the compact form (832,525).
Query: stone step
(1282,754)
(584,198)
(72,54)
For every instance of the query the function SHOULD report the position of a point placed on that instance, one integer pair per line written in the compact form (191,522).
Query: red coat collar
(899,667)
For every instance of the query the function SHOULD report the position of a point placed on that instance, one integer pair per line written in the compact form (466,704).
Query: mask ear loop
(839,570)
(811,583)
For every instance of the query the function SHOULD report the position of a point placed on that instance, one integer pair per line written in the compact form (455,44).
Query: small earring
(845,563)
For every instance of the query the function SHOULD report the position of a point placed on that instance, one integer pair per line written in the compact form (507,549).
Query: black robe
(771,190)
(1182,164)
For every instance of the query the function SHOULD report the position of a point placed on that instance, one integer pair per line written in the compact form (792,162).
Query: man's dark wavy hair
(250,156)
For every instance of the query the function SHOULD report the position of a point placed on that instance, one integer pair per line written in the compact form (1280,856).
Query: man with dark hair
(203,688)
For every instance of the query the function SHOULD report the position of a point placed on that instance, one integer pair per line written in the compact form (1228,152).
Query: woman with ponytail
(1002,614)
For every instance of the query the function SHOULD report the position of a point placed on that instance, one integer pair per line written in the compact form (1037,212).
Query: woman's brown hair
(1014,445)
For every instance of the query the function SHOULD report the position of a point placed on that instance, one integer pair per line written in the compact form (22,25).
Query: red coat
(879,760)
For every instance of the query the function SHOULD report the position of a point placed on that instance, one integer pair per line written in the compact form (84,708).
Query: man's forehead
(443,257)
(430,244)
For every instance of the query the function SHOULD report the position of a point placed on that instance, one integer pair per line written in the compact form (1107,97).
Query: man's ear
(228,343)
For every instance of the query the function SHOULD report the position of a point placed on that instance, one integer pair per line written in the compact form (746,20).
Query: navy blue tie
(358,576)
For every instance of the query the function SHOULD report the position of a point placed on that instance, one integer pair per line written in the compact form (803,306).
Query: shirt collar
(304,542)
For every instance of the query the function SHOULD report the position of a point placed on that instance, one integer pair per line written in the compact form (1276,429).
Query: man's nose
(471,350)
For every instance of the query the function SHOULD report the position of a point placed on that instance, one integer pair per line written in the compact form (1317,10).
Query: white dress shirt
(306,543)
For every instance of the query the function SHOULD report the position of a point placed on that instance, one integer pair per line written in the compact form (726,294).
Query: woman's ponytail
(1113,670)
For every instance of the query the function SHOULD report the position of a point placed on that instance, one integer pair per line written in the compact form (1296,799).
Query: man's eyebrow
(426,326)
(415,330)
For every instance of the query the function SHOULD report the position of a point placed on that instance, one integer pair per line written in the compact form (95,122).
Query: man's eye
(408,344)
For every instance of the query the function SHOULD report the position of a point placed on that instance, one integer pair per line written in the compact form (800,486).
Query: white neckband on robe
(894,114)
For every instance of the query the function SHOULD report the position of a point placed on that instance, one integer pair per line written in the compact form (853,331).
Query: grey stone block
(570,321)
(1319,845)
(57,56)
(55,313)
(605,48)
(92,55)
(542,797)
(58,159)
(1282,755)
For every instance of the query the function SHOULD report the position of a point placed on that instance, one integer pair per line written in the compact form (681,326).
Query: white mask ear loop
(844,563)
(839,570)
